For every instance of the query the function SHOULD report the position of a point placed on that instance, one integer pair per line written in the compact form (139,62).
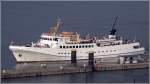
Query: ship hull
(31,54)
(37,57)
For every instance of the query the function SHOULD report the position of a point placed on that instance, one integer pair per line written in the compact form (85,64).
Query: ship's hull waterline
(31,54)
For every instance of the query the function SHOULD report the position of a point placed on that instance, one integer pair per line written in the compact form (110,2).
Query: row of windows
(63,53)
(106,51)
(80,46)
(54,39)
(95,52)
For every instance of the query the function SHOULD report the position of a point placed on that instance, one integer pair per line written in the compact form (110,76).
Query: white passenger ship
(57,46)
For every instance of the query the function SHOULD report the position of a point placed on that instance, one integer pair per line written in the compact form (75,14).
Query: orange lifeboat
(67,34)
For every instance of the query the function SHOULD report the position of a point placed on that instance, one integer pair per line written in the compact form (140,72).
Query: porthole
(83,46)
(86,46)
(76,46)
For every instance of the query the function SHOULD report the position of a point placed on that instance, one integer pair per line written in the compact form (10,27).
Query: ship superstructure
(57,46)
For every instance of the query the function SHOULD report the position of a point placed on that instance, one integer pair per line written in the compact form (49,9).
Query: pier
(41,69)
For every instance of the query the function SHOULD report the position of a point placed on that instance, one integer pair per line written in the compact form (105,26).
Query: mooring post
(73,57)
(91,60)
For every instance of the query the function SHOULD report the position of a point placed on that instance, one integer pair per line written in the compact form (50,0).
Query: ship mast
(55,29)
(113,31)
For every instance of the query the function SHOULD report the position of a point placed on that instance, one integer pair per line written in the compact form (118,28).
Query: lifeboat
(67,34)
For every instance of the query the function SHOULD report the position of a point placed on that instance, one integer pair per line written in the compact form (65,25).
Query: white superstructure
(56,46)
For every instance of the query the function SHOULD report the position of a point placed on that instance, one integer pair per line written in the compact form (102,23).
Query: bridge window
(42,38)
(63,46)
(55,39)
(60,46)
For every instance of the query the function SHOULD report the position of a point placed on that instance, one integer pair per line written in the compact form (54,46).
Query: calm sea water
(120,76)
(23,22)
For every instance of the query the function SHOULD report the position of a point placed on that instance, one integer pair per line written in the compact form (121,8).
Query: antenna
(113,26)
(113,31)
